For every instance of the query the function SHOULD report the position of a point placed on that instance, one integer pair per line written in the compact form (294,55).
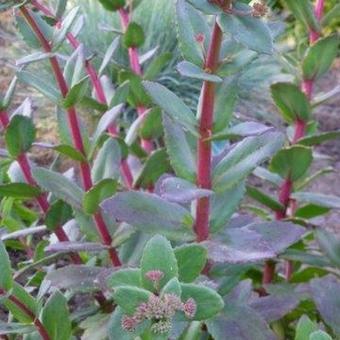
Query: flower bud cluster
(260,9)
(159,309)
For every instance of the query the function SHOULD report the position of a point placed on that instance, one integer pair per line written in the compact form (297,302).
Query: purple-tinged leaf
(241,323)
(23,233)
(241,294)
(274,307)
(178,190)
(326,294)
(221,253)
(77,277)
(254,242)
(279,235)
(245,129)
(150,213)
(66,247)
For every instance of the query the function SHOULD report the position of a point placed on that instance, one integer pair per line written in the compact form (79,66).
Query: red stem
(126,172)
(124,15)
(300,130)
(74,127)
(318,11)
(42,199)
(25,309)
(204,146)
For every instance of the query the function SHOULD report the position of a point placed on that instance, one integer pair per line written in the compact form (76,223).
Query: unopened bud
(200,38)
(154,275)
(129,323)
(190,308)
(260,9)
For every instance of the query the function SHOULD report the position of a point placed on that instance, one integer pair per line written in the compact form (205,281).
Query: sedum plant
(141,238)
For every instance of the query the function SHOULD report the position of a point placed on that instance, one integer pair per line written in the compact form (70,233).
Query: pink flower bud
(190,308)
(200,38)
(129,323)
(154,275)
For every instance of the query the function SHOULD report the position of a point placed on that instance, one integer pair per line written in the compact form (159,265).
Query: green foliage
(152,163)
(20,135)
(112,5)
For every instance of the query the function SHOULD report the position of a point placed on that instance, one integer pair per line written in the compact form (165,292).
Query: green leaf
(151,126)
(6,280)
(303,11)
(182,158)
(27,32)
(19,135)
(264,199)
(206,7)
(208,302)
(41,83)
(172,287)
(187,69)
(249,31)
(125,277)
(241,130)
(189,47)
(132,88)
(134,36)
(243,158)
(19,190)
(291,101)
(34,57)
(70,152)
(55,317)
(107,161)
(332,16)
(304,328)
(320,335)
(330,245)
(60,34)
(310,211)
(76,93)
(109,54)
(57,215)
(14,328)
(172,105)
(129,298)
(326,201)
(319,138)
(320,57)
(112,5)
(59,186)
(191,259)
(150,213)
(158,255)
(225,103)
(6,101)
(98,193)
(23,296)
(292,162)
(156,165)
(60,8)
(156,65)
(224,204)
